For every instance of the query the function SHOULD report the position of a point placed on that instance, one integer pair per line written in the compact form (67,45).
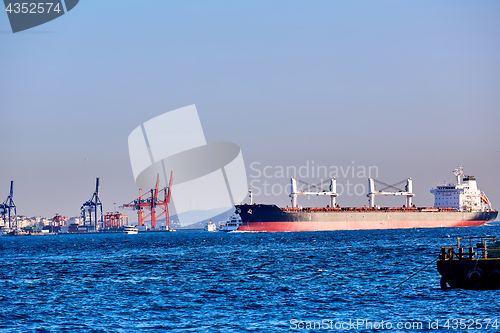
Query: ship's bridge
(463,196)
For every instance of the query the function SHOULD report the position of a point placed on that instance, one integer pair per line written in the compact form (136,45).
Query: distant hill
(200,225)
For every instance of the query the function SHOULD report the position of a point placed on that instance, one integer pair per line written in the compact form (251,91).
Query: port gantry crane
(150,201)
(59,221)
(115,220)
(8,209)
(93,205)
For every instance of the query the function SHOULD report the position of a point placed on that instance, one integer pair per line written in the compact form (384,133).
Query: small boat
(231,224)
(4,231)
(473,264)
(17,232)
(130,230)
(210,226)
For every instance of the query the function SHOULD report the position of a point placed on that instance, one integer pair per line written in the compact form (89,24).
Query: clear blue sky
(411,87)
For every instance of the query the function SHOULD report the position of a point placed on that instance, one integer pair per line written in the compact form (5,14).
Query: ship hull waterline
(270,218)
(331,226)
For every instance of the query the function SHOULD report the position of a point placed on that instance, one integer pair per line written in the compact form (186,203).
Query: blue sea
(195,281)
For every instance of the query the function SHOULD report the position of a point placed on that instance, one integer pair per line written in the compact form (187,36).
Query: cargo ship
(456,205)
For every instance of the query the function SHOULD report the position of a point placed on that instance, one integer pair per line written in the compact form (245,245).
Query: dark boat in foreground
(473,264)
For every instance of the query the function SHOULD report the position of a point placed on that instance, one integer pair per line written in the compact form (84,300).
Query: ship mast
(458,172)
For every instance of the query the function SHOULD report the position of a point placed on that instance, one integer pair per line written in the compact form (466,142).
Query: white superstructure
(130,230)
(231,224)
(463,196)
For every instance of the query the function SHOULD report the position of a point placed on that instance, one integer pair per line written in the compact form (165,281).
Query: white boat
(210,226)
(231,224)
(130,230)
(4,230)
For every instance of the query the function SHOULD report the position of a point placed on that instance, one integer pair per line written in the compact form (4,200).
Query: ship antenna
(458,172)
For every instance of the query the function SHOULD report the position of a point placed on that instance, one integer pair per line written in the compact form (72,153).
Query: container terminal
(151,207)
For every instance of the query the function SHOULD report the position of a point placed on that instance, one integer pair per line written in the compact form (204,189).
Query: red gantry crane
(59,221)
(114,220)
(150,201)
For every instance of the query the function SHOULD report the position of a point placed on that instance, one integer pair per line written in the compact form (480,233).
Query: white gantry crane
(372,193)
(294,192)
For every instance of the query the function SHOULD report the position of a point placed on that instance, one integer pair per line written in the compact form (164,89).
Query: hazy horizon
(410,88)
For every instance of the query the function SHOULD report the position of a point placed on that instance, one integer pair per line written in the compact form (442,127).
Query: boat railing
(475,247)
(366,209)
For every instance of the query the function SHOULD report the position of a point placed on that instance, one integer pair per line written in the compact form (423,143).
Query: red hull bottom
(352,225)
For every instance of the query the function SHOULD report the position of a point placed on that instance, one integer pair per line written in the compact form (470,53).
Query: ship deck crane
(150,201)
(93,207)
(8,209)
(407,192)
(294,191)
